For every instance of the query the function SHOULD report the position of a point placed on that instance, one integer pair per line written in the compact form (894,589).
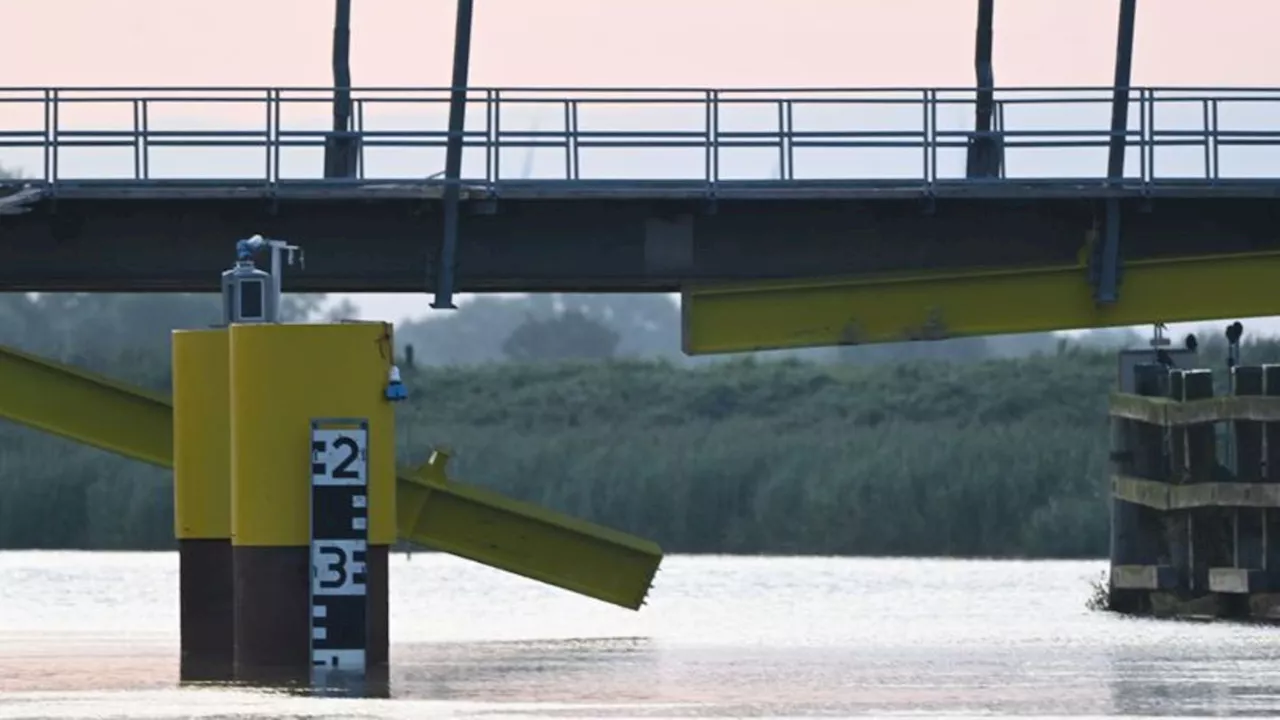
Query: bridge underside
(387,240)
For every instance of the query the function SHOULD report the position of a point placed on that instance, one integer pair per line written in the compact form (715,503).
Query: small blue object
(247,247)
(395,388)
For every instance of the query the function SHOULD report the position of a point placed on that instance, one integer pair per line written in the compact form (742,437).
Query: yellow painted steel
(838,311)
(85,407)
(283,376)
(463,520)
(525,539)
(201,435)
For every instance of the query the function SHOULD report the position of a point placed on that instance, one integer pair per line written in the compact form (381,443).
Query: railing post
(926,148)
(577,149)
(713,97)
(933,153)
(1213,108)
(273,137)
(568,140)
(146,139)
(707,153)
(791,142)
(496,132)
(488,135)
(137,136)
(358,107)
(53,152)
(782,139)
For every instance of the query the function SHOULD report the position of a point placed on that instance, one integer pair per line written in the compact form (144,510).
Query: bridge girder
(894,308)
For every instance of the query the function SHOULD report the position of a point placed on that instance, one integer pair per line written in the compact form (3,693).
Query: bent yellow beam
(463,520)
(86,407)
(523,538)
(841,311)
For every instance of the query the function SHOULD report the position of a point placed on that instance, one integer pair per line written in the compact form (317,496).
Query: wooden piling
(1203,468)
(1248,534)
(1265,602)
(1209,527)
(1138,453)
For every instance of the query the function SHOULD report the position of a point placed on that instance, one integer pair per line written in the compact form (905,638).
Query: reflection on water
(95,635)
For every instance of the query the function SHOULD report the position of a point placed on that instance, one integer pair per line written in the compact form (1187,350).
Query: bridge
(863,181)
(655,190)
(787,218)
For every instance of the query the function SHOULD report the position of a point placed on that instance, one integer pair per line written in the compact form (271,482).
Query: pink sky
(634,42)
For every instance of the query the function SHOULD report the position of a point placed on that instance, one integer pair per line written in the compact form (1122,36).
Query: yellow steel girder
(482,525)
(86,407)
(463,520)
(816,312)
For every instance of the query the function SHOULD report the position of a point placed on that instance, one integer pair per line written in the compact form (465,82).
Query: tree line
(924,455)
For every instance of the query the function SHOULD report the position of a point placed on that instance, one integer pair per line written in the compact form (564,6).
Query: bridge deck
(145,188)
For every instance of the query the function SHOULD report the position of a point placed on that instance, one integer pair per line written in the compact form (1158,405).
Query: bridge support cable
(986,150)
(341,151)
(1105,273)
(453,158)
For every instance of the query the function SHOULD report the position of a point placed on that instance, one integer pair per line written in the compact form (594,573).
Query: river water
(94,635)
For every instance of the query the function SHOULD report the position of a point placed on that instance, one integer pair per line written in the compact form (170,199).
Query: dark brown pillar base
(205,610)
(273,614)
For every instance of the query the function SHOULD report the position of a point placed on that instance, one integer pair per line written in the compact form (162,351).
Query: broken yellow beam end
(525,539)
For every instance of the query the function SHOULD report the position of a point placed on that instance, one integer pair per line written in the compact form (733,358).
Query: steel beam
(340,152)
(827,312)
(522,538)
(453,157)
(432,510)
(85,407)
(128,245)
(985,150)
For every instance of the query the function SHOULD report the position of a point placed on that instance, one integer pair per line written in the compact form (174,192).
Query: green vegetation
(987,457)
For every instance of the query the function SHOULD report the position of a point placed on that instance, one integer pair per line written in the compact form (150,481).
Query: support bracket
(1104,266)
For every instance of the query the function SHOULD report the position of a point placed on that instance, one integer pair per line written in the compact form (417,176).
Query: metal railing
(903,137)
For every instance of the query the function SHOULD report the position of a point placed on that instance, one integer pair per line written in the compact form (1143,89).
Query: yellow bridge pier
(202,501)
(233,401)
(283,377)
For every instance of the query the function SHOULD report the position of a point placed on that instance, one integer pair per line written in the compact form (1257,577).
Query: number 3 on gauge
(331,567)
